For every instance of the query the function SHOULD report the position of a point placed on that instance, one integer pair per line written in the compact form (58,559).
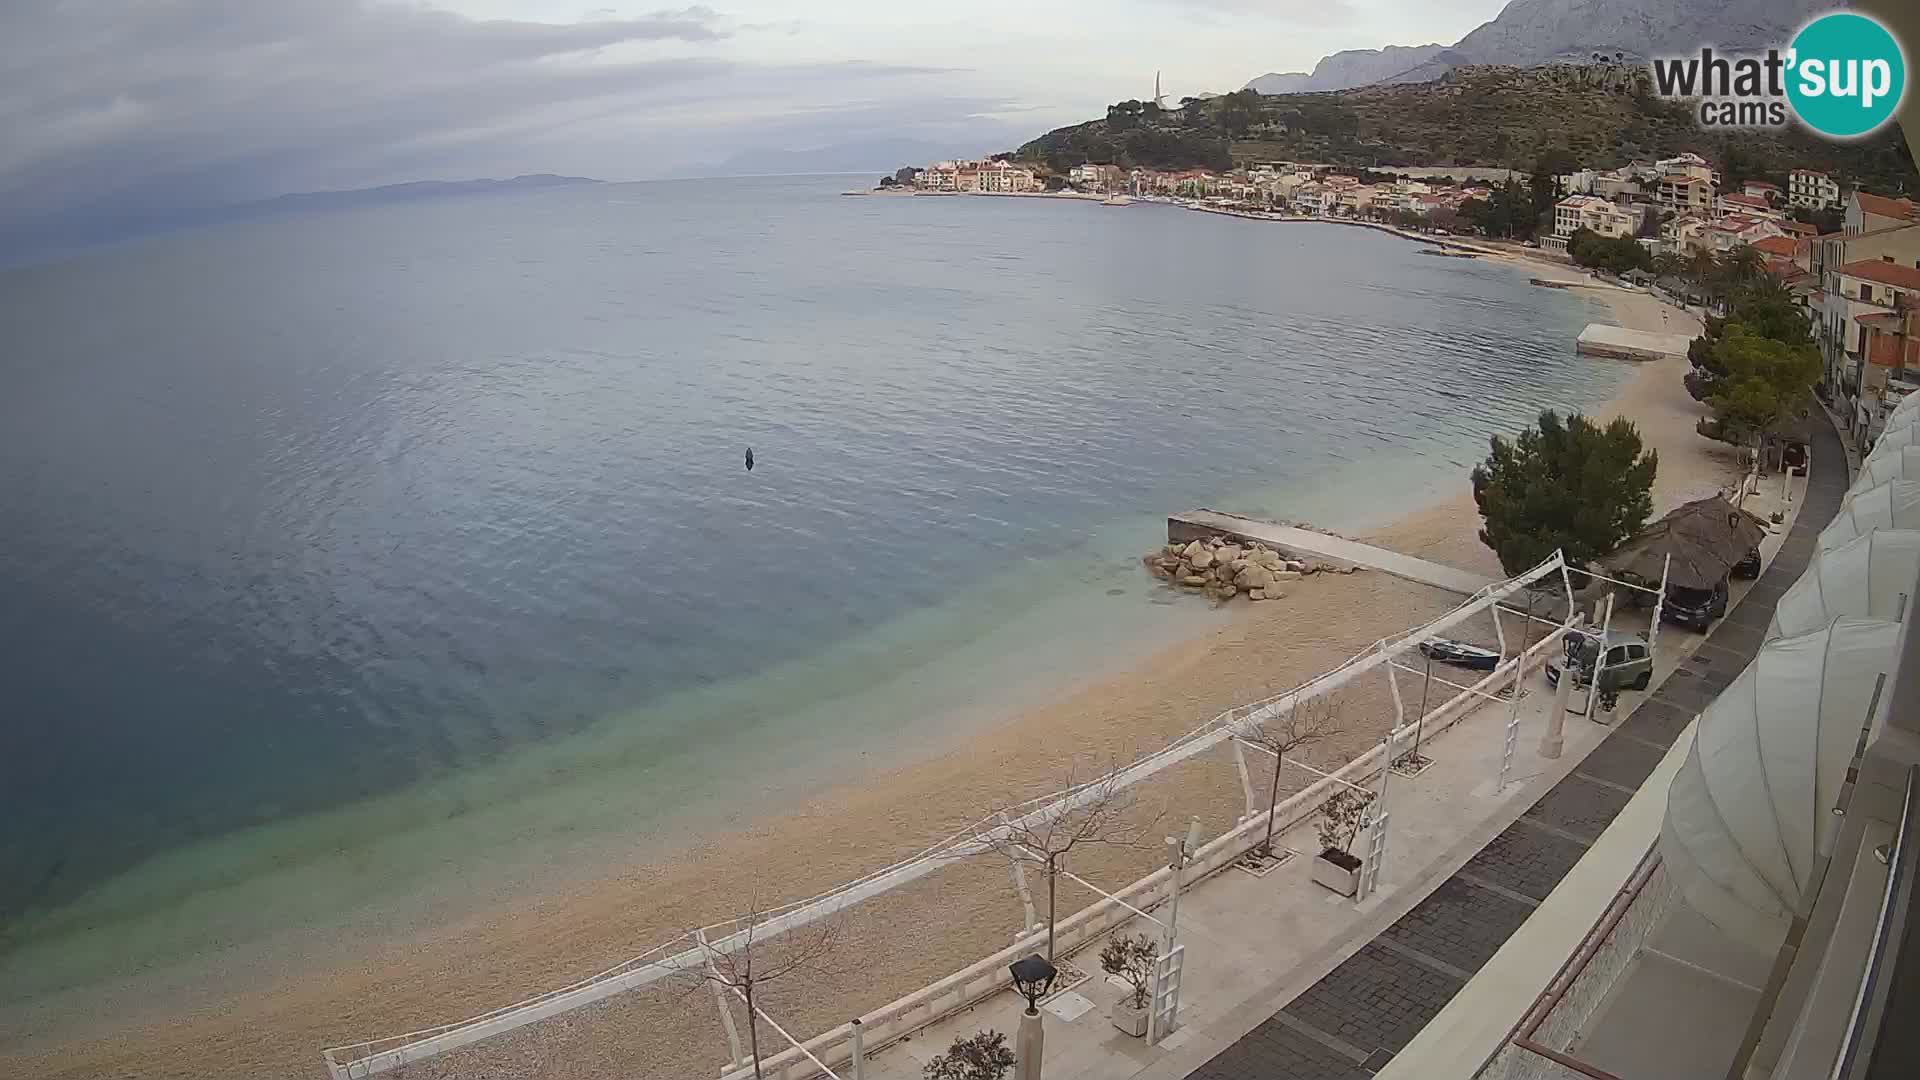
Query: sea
(351,559)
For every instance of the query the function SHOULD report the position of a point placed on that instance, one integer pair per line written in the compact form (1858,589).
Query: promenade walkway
(1350,1023)
(1322,548)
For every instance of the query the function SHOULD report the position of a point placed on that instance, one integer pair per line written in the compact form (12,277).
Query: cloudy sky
(125,106)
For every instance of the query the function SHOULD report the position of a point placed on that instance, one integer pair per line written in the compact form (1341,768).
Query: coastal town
(1850,257)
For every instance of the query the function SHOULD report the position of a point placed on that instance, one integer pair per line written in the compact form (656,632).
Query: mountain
(1352,67)
(1531,32)
(1279,82)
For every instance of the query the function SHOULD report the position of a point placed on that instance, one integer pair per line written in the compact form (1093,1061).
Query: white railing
(684,954)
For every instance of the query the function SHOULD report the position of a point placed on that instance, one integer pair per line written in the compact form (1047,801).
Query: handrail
(1575,964)
(1870,1000)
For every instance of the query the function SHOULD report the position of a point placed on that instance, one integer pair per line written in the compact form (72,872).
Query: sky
(116,109)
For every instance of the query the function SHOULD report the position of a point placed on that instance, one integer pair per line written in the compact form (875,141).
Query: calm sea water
(332,540)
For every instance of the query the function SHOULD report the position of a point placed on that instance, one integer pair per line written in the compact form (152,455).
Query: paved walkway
(1349,1025)
(1322,547)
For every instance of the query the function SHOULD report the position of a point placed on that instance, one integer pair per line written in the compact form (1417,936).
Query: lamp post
(1032,977)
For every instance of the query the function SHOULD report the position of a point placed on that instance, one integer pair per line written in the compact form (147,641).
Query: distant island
(410,192)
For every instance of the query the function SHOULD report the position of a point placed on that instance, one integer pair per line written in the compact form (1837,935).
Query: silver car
(1629,662)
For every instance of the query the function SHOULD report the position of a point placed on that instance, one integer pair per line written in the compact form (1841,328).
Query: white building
(1812,188)
(1576,212)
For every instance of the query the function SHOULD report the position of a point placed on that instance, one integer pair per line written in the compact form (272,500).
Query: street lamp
(1032,977)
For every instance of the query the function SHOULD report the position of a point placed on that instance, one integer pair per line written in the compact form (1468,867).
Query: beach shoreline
(531,943)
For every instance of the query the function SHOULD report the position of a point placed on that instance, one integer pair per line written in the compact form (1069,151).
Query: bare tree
(1089,814)
(1306,723)
(750,958)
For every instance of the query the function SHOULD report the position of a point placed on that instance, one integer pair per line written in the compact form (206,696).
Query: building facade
(1812,189)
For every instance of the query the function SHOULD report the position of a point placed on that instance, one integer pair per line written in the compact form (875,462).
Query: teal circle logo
(1846,75)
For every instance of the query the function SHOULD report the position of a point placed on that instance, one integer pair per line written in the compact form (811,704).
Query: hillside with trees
(1563,115)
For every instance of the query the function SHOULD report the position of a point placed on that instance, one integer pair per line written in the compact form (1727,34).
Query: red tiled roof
(1886,273)
(1785,246)
(1800,228)
(1754,201)
(1760,184)
(1881,206)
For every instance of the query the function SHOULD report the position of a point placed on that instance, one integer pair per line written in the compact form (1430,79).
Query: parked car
(1695,609)
(1748,568)
(1629,662)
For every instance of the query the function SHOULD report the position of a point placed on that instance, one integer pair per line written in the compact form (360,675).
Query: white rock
(1194,581)
(1193,549)
(1228,552)
(1254,577)
(1257,594)
(1201,559)
(1286,575)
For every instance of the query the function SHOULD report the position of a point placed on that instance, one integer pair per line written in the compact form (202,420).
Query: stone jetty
(1224,569)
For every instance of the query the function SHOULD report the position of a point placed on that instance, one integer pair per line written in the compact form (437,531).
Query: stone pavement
(1349,1025)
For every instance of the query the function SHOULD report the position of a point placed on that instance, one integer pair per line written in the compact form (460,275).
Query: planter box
(1128,1019)
(1342,876)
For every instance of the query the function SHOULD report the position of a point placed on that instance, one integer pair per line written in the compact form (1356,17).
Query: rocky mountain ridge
(1532,32)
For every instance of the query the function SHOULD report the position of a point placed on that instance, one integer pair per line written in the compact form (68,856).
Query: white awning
(1867,576)
(1892,505)
(1907,434)
(1888,463)
(1752,807)
(1906,412)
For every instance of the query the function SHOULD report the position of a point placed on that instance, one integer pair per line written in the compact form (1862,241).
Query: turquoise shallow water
(339,539)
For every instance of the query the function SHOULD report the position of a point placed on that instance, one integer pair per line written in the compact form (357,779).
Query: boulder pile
(1224,568)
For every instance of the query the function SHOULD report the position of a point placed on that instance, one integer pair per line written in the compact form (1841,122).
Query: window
(1617,655)
(1866,292)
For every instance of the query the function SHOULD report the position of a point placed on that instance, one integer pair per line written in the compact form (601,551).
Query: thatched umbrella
(1704,539)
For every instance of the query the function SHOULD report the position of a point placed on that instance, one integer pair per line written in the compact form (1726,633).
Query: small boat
(1116,200)
(1460,654)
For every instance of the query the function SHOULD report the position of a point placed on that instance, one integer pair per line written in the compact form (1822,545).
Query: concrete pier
(1321,548)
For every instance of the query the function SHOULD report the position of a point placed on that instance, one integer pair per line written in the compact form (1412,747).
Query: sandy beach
(370,987)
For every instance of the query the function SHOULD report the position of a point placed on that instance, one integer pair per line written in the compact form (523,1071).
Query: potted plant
(1340,819)
(984,1055)
(1131,959)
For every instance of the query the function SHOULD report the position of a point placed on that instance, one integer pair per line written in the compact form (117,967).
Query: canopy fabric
(1906,412)
(1892,505)
(1907,434)
(1888,463)
(1872,576)
(1704,539)
(1751,808)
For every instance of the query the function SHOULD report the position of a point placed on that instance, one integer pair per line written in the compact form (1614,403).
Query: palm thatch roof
(1704,539)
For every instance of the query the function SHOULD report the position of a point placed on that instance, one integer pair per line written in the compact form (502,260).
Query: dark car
(1748,568)
(1695,609)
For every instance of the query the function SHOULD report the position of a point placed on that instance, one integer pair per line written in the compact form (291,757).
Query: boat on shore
(1116,200)
(1460,654)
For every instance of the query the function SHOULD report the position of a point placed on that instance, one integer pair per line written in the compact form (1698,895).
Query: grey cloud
(110,110)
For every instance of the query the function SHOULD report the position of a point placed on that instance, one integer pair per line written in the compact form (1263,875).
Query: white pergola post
(1600,661)
(1659,606)
(859,1050)
(720,999)
(1393,686)
(1377,828)
(1499,631)
(1019,875)
(1246,778)
(1513,723)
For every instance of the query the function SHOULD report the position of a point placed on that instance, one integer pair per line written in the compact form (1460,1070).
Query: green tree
(1569,485)
(1764,381)
(1618,254)
(983,1055)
